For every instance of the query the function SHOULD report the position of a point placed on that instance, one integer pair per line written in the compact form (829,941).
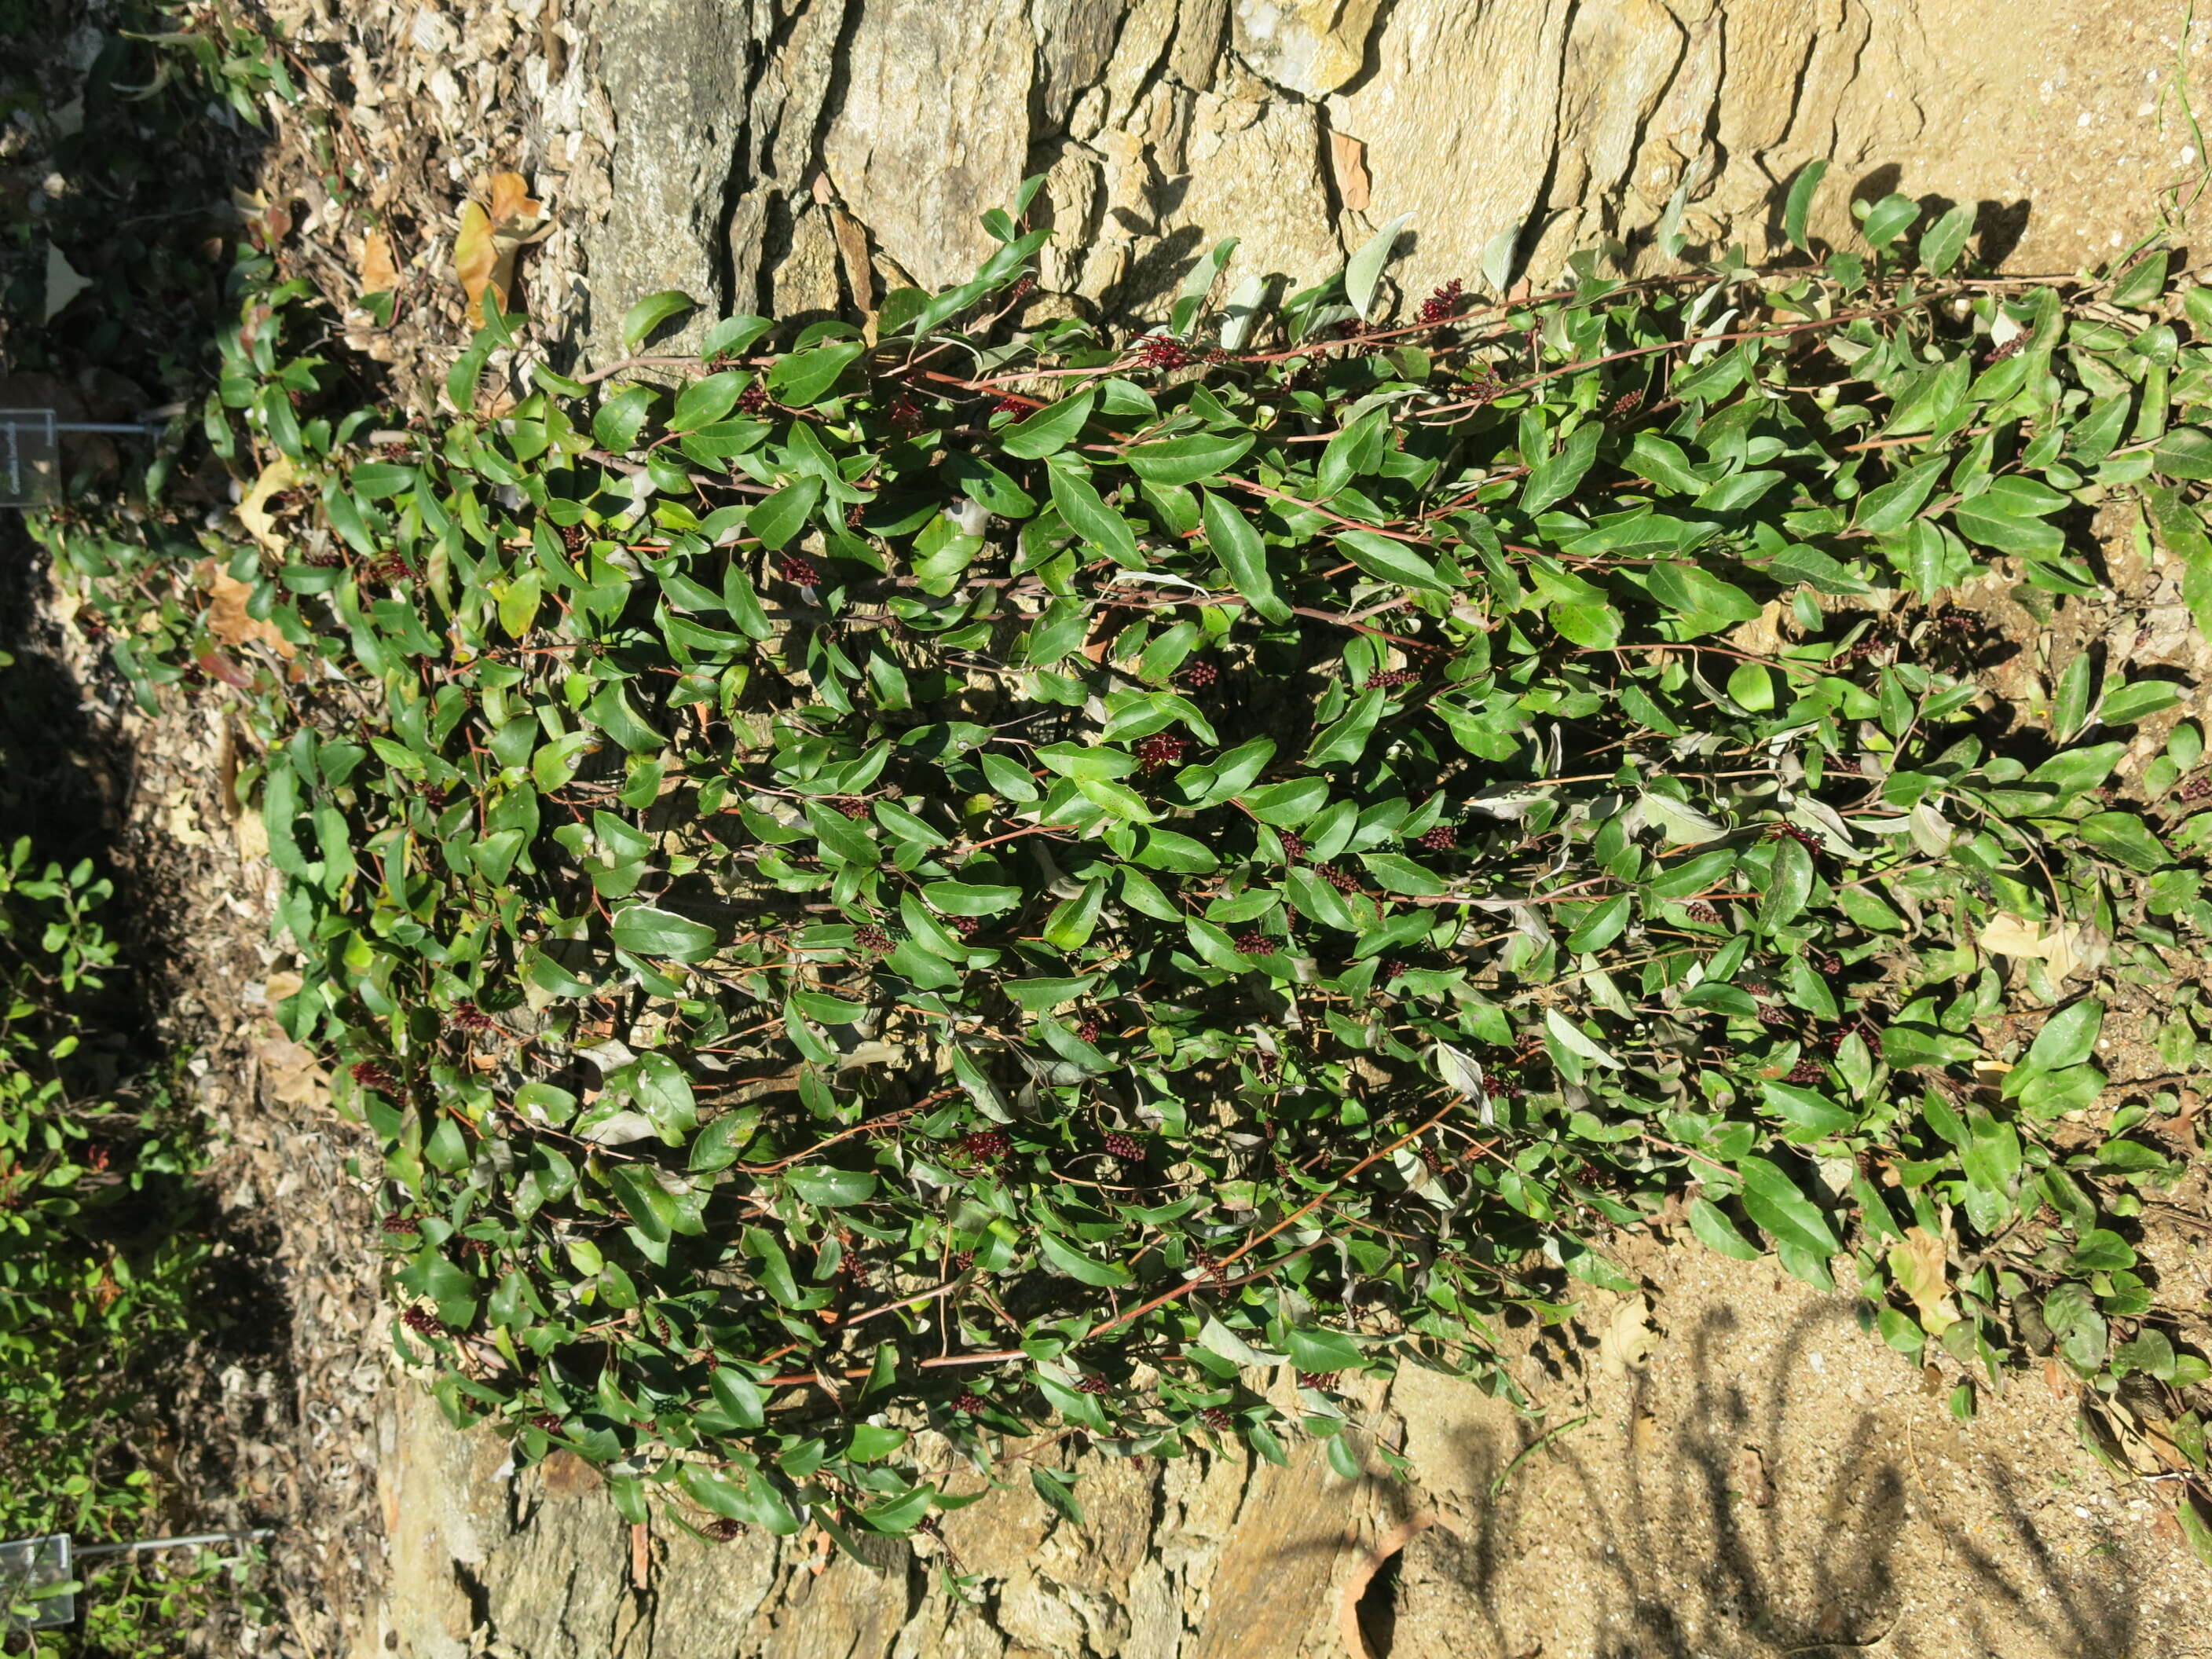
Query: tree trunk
(803,156)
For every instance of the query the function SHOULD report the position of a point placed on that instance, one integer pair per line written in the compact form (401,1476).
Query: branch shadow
(1694,1552)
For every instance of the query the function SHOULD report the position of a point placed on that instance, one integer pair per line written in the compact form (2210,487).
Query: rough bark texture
(798,157)
(1728,1468)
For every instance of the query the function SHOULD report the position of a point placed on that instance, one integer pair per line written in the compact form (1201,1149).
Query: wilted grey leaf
(619,1129)
(1246,301)
(1364,272)
(1571,1039)
(1497,259)
(1461,1071)
(1679,819)
(1218,1338)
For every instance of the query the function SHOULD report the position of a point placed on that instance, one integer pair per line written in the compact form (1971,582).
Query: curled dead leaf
(230,623)
(253,512)
(490,237)
(1921,1261)
(289,1074)
(1347,158)
(2066,949)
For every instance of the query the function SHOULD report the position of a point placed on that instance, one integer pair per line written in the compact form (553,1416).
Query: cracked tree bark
(800,157)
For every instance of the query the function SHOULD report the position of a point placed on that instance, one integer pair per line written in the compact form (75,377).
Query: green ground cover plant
(105,1286)
(945,879)
(97,1280)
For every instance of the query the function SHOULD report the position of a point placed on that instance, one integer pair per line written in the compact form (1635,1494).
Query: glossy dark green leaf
(1049,429)
(1190,459)
(650,312)
(1243,556)
(652,932)
(1772,1199)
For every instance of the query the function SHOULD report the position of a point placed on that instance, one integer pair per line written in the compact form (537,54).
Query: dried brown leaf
(253,512)
(379,273)
(227,617)
(1348,161)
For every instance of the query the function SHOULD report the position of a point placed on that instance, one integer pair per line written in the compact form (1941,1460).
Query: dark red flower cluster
(967,926)
(1126,1147)
(1804,838)
(1851,1027)
(969,1401)
(906,416)
(400,1224)
(853,806)
(548,1421)
(1294,846)
(421,1323)
(1094,1385)
(469,1017)
(1627,400)
(1390,970)
(797,568)
(2197,788)
(1216,1418)
(1016,407)
(987,1143)
(1444,304)
(1160,351)
(1088,1027)
(1337,876)
(1442,838)
(1316,1379)
(372,1074)
(754,397)
(323,558)
(1824,964)
(1806,1071)
(1699,910)
(964,1260)
(390,567)
(1253,943)
(871,939)
(1390,678)
(723,1529)
(1162,749)
(1200,675)
(1773,1013)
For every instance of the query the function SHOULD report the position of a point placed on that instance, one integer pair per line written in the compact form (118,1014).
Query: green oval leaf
(647,930)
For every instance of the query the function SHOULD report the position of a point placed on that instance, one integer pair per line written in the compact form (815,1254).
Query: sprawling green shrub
(944,876)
